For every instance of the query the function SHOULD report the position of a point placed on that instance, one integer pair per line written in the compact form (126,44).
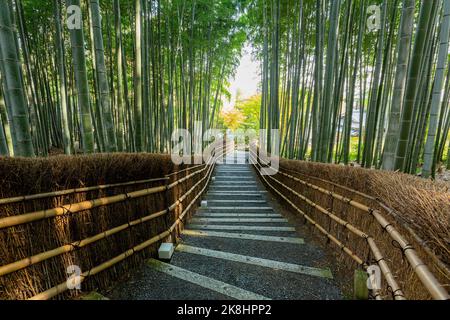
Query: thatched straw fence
(103,213)
(398,222)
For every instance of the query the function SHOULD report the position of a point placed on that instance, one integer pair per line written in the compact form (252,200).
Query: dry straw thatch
(31,176)
(420,206)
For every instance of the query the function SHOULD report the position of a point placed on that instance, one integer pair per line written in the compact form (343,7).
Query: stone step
(205,282)
(238,203)
(234,171)
(234,175)
(231,192)
(239,227)
(238,220)
(233,185)
(273,264)
(237,215)
(239,181)
(234,188)
(242,236)
(237,209)
(233,197)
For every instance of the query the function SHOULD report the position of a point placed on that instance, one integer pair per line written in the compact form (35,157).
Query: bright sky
(246,80)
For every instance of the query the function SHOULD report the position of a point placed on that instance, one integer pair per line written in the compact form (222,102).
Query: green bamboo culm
(325,134)
(406,28)
(81,78)
(349,106)
(374,94)
(67,139)
(429,156)
(138,79)
(102,78)
(119,90)
(6,127)
(412,84)
(13,85)
(4,151)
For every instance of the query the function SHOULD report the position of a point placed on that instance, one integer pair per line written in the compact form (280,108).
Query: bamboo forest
(339,89)
(354,93)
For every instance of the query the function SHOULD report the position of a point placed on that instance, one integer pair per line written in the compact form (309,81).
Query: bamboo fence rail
(21,264)
(87,205)
(62,287)
(75,190)
(398,294)
(77,207)
(329,236)
(390,211)
(421,270)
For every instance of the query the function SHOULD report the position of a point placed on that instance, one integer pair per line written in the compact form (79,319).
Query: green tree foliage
(232,119)
(250,109)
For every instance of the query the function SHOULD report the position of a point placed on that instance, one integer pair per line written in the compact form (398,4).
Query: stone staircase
(237,247)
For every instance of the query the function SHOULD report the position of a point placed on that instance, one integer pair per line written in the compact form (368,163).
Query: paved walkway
(238,247)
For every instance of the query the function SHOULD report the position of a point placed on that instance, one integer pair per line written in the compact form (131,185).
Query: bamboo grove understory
(365,81)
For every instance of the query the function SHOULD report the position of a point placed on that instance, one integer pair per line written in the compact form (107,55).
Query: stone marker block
(165,251)
(204,204)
